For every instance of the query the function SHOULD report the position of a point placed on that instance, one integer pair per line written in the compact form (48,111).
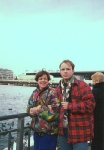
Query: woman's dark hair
(40,73)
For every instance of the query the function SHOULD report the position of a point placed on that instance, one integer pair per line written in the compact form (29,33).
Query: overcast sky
(36,34)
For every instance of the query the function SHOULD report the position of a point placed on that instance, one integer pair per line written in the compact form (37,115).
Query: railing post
(20,130)
(9,140)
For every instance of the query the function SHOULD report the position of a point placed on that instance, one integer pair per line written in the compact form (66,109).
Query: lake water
(13,100)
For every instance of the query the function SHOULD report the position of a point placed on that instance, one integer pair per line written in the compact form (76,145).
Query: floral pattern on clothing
(45,121)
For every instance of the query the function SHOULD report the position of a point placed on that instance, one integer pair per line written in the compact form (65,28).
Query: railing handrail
(20,130)
(13,116)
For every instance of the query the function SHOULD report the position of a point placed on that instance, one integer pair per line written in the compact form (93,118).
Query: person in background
(76,121)
(98,91)
(43,109)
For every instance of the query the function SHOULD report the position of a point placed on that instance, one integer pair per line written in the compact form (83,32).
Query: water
(13,100)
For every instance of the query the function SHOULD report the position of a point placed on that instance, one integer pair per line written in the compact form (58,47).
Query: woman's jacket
(45,121)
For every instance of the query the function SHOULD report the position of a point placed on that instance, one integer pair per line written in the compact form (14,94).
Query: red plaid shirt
(81,120)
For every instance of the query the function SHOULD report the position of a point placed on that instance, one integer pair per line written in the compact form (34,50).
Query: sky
(36,34)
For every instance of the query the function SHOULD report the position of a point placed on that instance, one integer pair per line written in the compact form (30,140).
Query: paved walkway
(89,148)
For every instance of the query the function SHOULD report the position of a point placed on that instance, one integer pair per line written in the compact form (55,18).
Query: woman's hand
(33,111)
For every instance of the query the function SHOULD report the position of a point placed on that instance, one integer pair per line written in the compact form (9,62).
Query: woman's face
(94,81)
(42,81)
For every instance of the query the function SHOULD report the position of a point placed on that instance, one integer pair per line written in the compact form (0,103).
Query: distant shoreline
(32,83)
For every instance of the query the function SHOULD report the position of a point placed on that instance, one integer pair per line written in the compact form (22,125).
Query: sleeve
(53,107)
(55,102)
(83,100)
(30,103)
(95,93)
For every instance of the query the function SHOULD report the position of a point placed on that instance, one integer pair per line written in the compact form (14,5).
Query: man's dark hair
(67,62)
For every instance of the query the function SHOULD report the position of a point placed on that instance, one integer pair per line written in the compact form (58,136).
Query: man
(76,123)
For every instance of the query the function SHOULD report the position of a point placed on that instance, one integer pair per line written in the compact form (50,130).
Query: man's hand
(64,105)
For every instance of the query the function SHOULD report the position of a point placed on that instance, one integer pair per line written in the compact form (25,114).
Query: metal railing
(20,130)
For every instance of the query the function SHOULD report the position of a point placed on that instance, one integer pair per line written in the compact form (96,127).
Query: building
(6,74)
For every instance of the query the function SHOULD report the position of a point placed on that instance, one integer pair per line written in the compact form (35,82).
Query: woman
(43,108)
(98,91)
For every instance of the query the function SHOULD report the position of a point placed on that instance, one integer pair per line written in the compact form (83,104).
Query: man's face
(66,71)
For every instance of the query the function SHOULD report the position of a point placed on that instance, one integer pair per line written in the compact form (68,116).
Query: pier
(24,83)
(82,75)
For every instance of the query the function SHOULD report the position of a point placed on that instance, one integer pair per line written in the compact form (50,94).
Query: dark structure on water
(81,74)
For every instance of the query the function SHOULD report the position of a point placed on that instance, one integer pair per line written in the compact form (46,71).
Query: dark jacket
(97,142)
